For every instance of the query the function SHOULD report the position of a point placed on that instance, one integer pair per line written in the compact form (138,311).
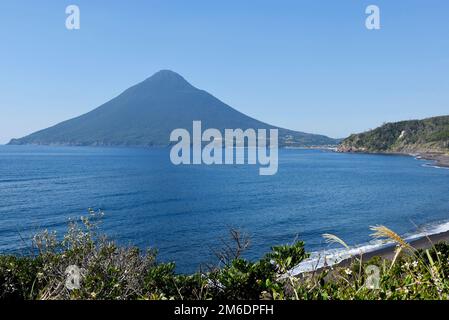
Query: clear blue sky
(304,65)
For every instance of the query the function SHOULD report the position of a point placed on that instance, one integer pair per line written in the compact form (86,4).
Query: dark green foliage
(287,256)
(243,279)
(438,254)
(417,135)
(111,272)
(439,136)
(19,277)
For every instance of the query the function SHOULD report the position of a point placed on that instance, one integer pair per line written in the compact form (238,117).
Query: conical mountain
(145,115)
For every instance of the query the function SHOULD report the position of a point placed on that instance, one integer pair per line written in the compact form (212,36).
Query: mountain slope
(145,115)
(415,136)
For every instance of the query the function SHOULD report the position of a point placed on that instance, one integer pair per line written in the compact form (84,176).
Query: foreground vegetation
(108,271)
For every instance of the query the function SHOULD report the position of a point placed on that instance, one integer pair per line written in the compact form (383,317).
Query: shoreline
(423,242)
(439,159)
(384,250)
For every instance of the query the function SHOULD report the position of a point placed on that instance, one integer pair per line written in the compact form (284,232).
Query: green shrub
(20,277)
(108,271)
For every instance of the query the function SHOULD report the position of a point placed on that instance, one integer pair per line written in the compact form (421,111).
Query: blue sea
(186,211)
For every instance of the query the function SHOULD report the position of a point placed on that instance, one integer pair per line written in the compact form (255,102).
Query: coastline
(423,242)
(386,252)
(440,159)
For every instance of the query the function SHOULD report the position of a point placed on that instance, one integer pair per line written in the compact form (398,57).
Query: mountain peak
(148,112)
(166,74)
(168,79)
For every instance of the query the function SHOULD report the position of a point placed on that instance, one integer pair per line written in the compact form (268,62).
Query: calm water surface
(184,211)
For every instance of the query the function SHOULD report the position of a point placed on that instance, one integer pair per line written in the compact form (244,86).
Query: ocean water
(185,211)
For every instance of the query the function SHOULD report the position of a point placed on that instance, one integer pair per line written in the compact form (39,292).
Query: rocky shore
(440,159)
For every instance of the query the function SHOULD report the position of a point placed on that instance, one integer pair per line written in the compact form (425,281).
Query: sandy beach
(424,242)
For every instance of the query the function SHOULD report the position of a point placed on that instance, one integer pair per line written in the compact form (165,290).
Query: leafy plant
(108,271)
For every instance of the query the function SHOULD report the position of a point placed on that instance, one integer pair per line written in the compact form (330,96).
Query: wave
(428,165)
(330,257)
